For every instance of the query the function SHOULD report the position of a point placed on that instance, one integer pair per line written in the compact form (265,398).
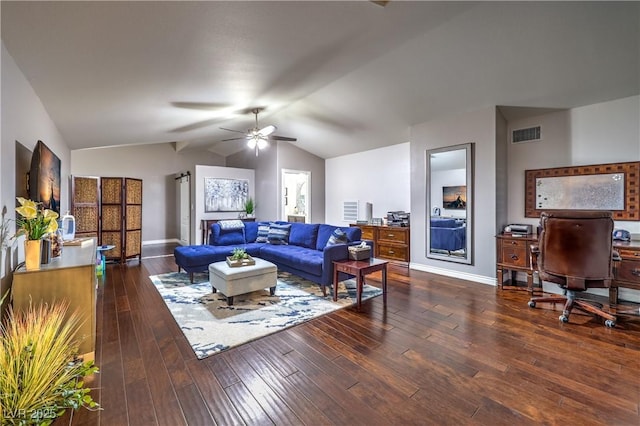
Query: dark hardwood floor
(443,351)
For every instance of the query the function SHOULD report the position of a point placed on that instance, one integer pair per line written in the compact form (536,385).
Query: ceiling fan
(257,138)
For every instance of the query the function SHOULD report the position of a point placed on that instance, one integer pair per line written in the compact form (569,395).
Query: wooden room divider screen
(109,208)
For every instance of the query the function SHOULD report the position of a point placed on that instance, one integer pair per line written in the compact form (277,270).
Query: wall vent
(530,134)
(350,211)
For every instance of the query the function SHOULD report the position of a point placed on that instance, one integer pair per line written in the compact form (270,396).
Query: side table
(360,268)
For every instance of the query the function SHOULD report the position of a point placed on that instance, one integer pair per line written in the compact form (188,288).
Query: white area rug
(211,326)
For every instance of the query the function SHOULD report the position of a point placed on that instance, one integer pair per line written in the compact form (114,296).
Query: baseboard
(454,274)
(151,242)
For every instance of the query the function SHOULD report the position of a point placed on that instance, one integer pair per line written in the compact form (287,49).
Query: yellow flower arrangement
(35,222)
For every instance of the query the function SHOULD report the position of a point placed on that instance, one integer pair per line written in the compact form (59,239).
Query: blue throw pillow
(337,237)
(278,233)
(263,233)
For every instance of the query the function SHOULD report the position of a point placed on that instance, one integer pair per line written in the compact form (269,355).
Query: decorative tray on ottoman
(233,263)
(359,253)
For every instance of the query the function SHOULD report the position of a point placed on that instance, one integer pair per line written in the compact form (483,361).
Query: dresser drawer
(515,255)
(392,252)
(367,233)
(395,235)
(628,253)
(629,270)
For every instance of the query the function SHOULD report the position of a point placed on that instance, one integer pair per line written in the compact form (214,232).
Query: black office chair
(575,251)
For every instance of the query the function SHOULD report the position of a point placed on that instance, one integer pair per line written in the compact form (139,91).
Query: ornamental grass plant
(40,374)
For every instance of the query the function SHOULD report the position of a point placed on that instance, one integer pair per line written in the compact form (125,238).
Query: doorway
(296,196)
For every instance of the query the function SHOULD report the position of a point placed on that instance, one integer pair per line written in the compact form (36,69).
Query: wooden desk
(360,268)
(205,227)
(628,272)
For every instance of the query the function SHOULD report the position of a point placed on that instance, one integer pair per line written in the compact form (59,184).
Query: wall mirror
(450,203)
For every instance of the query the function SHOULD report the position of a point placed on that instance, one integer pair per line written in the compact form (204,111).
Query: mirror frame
(469,158)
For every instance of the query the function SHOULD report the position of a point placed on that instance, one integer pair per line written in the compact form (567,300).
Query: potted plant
(34,223)
(249,207)
(40,374)
(239,257)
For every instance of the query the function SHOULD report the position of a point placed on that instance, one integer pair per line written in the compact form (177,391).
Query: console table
(205,227)
(71,278)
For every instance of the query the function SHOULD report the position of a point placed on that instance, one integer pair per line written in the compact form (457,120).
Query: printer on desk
(398,218)
(519,229)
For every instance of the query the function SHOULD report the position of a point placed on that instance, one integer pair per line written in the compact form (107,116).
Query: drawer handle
(390,235)
(514,257)
(636,272)
(513,243)
(637,254)
(392,252)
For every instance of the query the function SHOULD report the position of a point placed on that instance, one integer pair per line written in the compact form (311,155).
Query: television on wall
(454,197)
(44,177)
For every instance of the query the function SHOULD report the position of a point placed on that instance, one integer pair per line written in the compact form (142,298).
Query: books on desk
(78,242)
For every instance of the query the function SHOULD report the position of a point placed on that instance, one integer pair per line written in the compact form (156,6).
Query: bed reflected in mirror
(450,203)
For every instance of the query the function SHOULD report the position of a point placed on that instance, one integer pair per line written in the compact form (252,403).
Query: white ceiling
(342,77)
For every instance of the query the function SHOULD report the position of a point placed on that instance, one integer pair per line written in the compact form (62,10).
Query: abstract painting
(225,195)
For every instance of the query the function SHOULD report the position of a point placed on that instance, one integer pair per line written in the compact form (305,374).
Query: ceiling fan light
(262,144)
(266,131)
(251,143)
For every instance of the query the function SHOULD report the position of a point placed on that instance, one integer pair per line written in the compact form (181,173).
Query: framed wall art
(225,195)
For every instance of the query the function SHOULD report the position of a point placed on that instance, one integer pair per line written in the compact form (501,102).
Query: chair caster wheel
(532,304)
(610,323)
(563,318)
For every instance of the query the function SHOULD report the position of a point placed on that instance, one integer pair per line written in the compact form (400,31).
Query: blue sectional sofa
(308,251)
(448,234)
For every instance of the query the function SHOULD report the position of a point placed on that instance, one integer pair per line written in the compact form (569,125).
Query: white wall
(607,132)
(157,165)
(478,127)
(202,172)
(446,178)
(24,119)
(379,176)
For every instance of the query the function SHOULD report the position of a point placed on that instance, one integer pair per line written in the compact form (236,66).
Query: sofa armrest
(330,254)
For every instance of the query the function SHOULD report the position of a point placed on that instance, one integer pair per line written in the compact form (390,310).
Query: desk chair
(575,251)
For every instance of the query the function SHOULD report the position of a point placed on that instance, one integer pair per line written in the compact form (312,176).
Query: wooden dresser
(514,255)
(628,273)
(390,242)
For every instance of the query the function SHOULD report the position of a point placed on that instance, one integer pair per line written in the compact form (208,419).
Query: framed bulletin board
(614,187)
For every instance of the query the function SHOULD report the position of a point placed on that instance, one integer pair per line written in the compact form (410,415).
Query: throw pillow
(263,233)
(230,224)
(337,237)
(278,233)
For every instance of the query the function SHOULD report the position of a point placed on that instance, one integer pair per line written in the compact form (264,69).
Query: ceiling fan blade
(281,138)
(232,139)
(266,131)
(195,126)
(231,130)
(207,106)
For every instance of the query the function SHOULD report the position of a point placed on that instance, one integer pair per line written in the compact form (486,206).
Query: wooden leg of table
(335,284)
(530,282)
(359,289)
(613,295)
(384,284)
(500,278)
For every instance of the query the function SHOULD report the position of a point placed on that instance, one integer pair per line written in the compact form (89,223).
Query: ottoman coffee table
(232,281)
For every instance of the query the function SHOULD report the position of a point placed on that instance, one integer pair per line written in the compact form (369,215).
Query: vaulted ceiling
(341,77)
